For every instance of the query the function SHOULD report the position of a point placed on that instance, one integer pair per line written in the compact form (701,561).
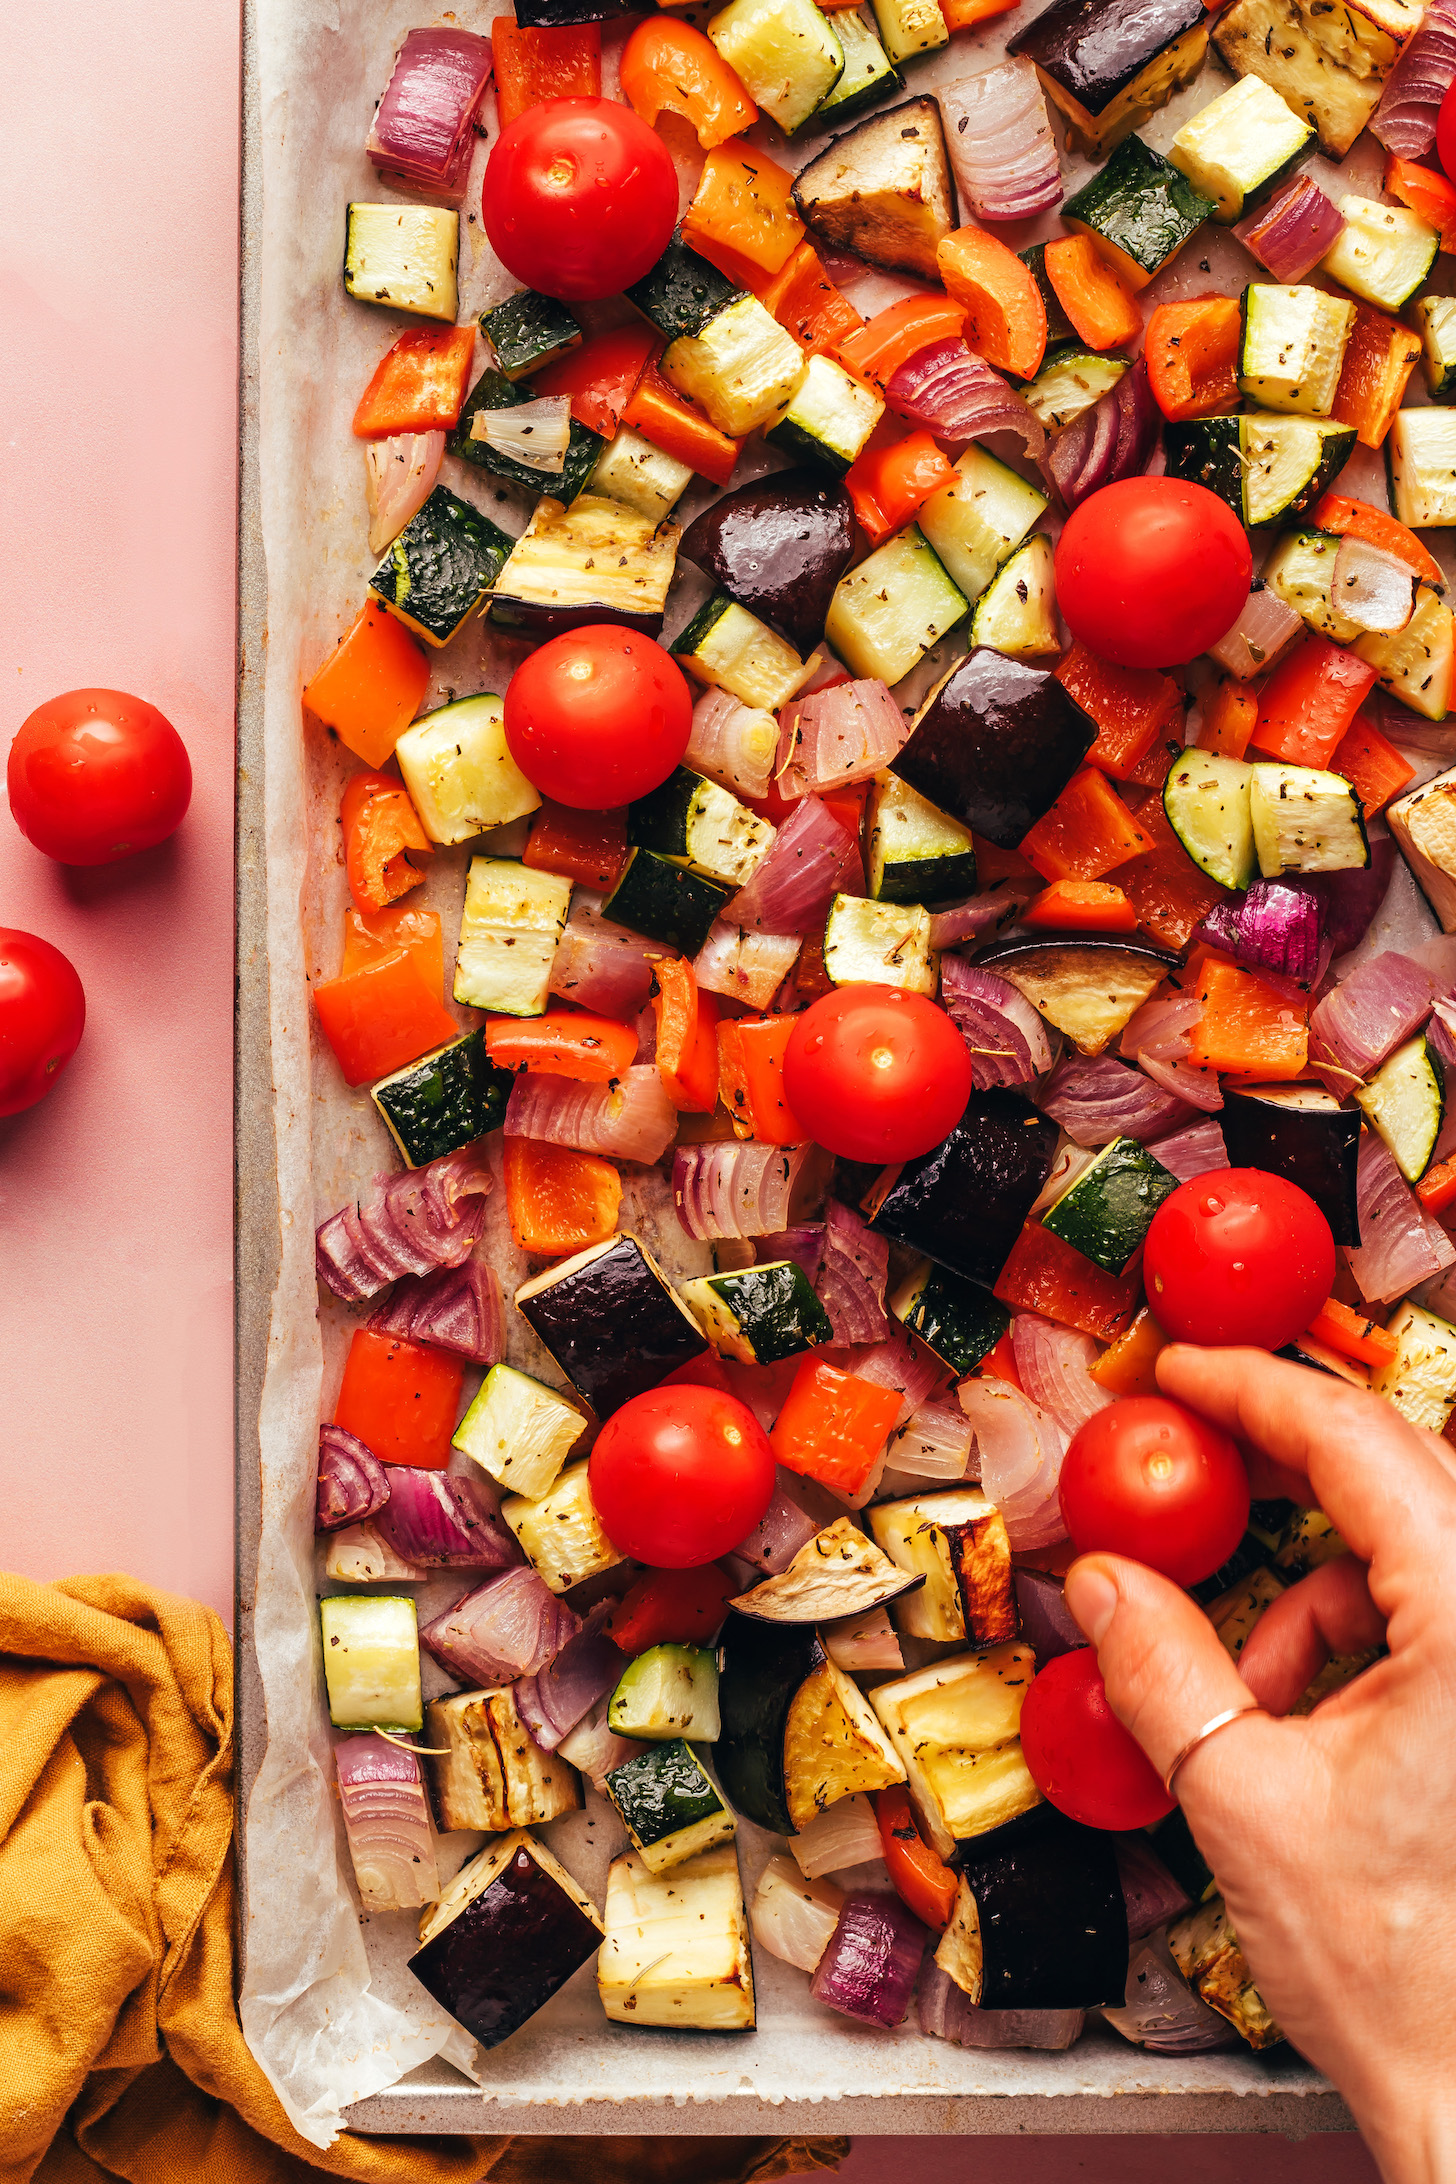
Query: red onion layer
(352,1482)
(423,131)
(387,1821)
(460,1308)
(1293,231)
(955,394)
(426,1218)
(631,1119)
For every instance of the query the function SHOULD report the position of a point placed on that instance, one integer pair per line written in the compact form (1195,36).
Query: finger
(1328,1612)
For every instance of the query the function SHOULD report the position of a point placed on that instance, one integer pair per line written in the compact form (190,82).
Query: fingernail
(1092,1598)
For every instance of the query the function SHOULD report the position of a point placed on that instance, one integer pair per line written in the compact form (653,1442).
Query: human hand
(1333,1837)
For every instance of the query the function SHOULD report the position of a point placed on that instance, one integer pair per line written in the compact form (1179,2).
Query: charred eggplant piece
(779,547)
(1040,1924)
(957,1727)
(1108,64)
(611,1322)
(995,744)
(964,1204)
(1301,1132)
(510,1930)
(839,1573)
(1088,987)
(884,190)
(958,1544)
(797,1735)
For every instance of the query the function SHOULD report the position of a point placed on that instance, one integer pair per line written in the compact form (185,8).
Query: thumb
(1166,1673)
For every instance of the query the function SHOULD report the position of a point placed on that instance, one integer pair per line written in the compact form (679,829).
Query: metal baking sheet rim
(1133,2093)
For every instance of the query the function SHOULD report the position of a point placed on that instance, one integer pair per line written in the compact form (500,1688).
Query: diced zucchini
(976,523)
(1139,210)
(1239,146)
(444,1100)
(663,902)
(1414,663)
(693,822)
(1236,1613)
(1424,825)
(519,1430)
(918,854)
(1071,379)
(669,1805)
(1301,571)
(743,365)
(884,188)
(910,26)
(827,417)
(441,566)
(1206,798)
(957,1319)
(957,1727)
(459,771)
(1420,455)
(1264,465)
(676,1951)
(1435,318)
(890,611)
(594,560)
(1293,344)
(1280,41)
(1206,1951)
(561,1532)
(730,649)
(1405,1103)
(528,332)
(834,1747)
(879,943)
(785,54)
(1420,1379)
(1107,1212)
(631,470)
(489,1771)
(670,1691)
(682,292)
(959,1544)
(371,1662)
(494,391)
(404,256)
(1383,253)
(1017,612)
(759,1313)
(869,75)
(1305,821)
(512,920)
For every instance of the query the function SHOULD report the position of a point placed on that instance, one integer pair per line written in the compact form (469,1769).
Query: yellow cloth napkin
(120,2050)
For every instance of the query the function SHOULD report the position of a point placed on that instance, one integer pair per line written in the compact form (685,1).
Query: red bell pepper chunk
(671,1608)
(538,62)
(1045,1275)
(833,1426)
(400,1399)
(687,1037)
(589,847)
(419,386)
(1425,192)
(1087,906)
(601,376)
(1374,768)
(1088,831)
(1354,1334)
(1309,701)
(1437,1187)
(888,484)
(562,1043)
(751,1078)
(1129,704)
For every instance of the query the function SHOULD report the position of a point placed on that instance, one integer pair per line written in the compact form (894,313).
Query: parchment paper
(328,2005)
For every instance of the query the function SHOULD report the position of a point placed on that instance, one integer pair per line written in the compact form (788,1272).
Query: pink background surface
(118,477)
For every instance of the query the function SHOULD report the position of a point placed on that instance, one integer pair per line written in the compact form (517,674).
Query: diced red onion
(508,1627)
(792,1917)
(955,394)
(1266,627)
(897,1363)
(1006,1038)
(387,1822)
(947,2013)
(851,1284)
(352,1482)
(1000,142)
(1047,1623)
(1096,1099)
(746,1188)
(445,1520)
(1279,925)
(863,1642)
(934,1443)
(981,916)
(1400,1243)
(1354,895)
(595,1748)
(872,1962)
(1198,1150)
(811,860)
(459,1308)
(747,966)
(1441,1031)
(358,1556)
(646,1035)
(833,737)
(778,1535)
(1160,2012)
(631,1119)
(1405,120)
(1293,231)
(841,1837)
(1370,587)
(1052,1365)
(1021,1450)
(1364,1019)
(804,1245)
(1112,440)
(1157,1036)
(588,1668)
(424,126)
(601,966)
(399,477)
(426,1218)
(733,743)
(1149,1890)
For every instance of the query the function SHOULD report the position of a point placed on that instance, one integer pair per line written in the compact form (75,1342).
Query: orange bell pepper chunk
(371,934)
(833,1427)
(1437,1187)
(1374,768)
(400,1399)
(1247,1028)
(1192,351)
(888,484)
(562,1043)
(962,14)
(1088,831)
(589,847)
(601,376)
(1006,319)
(921,1879)
(559,1200)
(806,303)
(1045,1275)
(380,825)
(687,1037)
(751,1078)
(381,1016)
(1127,1368)
(1425,192)
(1310,700)
(419,386)
(1102,308)
(680,428)
(743,218)
(1353,1334)
(1358,519)
(1380,356)
(1088,906)
(1229,719)
(671,68)
(876,352)
(369,689)
(1129,704)
(535,64)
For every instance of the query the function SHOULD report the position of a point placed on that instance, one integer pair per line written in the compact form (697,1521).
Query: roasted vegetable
(964,1203)
(779,547)
(884,190)
(839,1573)
(1302,1132)
(1108,64)
(491,1773)
(957,1725)
(676,1951)
(957,1543)
(995,744)
(611,1322)
(1087,985)
(1041,1924)
(669,1805)
(507,1932)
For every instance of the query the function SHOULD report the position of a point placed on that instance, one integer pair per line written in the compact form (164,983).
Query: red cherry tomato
(580,198)
(42,1016)
(1238,1256)
(680,1475)
(1147,1478)
(1446,132)
(95,775)
(1078,1753)
(876,1073)
(1152,571)
(598,717)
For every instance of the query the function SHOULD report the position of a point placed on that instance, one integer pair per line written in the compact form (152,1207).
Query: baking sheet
(327,2003)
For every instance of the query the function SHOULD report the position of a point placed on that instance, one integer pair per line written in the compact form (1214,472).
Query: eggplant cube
(884,189)
(676,1951)
(1040,1925)
(833,1745)
(1281,42)
(561,1533)
(958,1543)
(612,1323)
(957,1727)
(995,744)
(491,1772)
(778,547)
(1207,1953)
(839,1573)
(505,1936)
(1303,1133)
(963,1204)
(441,566)
(1087,987)
(1109,64)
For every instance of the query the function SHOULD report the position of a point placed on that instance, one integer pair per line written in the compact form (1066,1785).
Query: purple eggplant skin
(535,620)
(779,547)
(763,1666)
(995,744)
(1053,1916)
(965,1203)
(1317,1148)
(613,1326)
(507,1953)
(1094,48)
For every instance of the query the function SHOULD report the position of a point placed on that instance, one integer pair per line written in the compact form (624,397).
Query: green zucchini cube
(918,853)
(528,332)
(404,257)
(730,649)
(1239,146)
(1382,254)
(669,1805)
(441,566)
(1435,318)
(682,292)
(371,1662)
(494,391)
(512,920)
(827,418)
(663,901)
(1140,209)
(520,1431)
(959,1320)
(1292,346)
(444,1100)
(696,823)
(1107,1212)
(759,1314)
